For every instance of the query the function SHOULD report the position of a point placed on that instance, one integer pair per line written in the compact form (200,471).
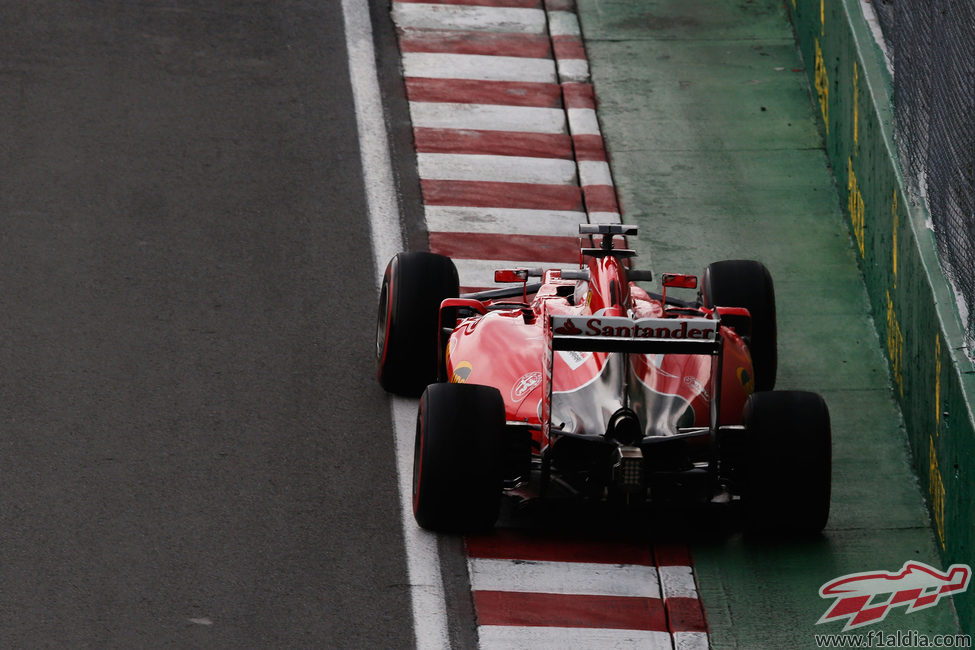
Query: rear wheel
(407,328)
(748,284)
(457,461)
(787,462)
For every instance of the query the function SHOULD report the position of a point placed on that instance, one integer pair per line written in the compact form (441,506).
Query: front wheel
(787,462)
(457,459)
(408,324)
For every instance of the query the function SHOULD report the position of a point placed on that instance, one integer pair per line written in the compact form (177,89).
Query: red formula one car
(585,385)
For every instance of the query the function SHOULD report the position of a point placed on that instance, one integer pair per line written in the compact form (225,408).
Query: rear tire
(787,462)
(407,327)
(748,284)
(457,461)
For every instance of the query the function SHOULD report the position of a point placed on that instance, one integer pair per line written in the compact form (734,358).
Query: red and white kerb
(506,132)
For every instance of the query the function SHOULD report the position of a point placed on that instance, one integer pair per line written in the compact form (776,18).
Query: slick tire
(787,463)
(457,461)
(407,327)
(748,284)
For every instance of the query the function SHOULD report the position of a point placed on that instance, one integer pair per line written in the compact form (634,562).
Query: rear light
(631,467)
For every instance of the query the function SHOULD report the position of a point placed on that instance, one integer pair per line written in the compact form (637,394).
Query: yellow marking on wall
(937,384)
(893,243)
(936,487)
(895,346)
(822,85)
(856,105)
(857,209)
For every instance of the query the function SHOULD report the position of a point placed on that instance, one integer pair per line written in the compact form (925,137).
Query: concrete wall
(913,306)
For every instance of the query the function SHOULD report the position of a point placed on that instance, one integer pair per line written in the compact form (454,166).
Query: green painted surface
(717,153)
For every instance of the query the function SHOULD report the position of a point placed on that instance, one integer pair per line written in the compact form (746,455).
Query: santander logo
(701,329)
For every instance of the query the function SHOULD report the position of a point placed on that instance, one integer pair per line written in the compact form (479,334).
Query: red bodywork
(509,346)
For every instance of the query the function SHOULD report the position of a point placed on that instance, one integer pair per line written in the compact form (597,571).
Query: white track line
(422,557)
(505,637)
(488,117)
(481,67)
(416,15)
(564,578)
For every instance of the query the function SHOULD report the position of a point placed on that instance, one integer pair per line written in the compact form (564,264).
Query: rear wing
(696,335)
(640,336)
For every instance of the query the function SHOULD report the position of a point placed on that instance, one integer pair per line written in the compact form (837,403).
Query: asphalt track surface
(190,449)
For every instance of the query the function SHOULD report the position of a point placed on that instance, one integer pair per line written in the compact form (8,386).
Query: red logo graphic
(568,329)
(866,598)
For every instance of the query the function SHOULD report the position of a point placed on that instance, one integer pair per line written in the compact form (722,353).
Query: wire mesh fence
(932,45)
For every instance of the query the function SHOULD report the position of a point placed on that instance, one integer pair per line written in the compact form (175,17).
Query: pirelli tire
(458,458)
(407,327)
(748,284)
(787,463)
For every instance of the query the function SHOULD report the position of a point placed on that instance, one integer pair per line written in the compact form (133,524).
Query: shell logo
(462,372)
(747,381)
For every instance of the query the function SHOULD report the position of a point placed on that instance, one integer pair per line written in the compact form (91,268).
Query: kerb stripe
(485,194)
(564,577)
(478,66)
(505,247)
(601,198)
(561,610)
(471,91)
(535,46)
(523,4)
(487,117)
(685,615)
(568,47)
(509,544)
(493,143)
(509,20)
(454,218)
(589,147)
(504,637)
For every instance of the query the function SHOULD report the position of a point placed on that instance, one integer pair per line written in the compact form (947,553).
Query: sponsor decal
(866,598)
(701,329)
(574,359)
(525,385)
(568,329)
(698,387)
(746,379)
(462,372)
